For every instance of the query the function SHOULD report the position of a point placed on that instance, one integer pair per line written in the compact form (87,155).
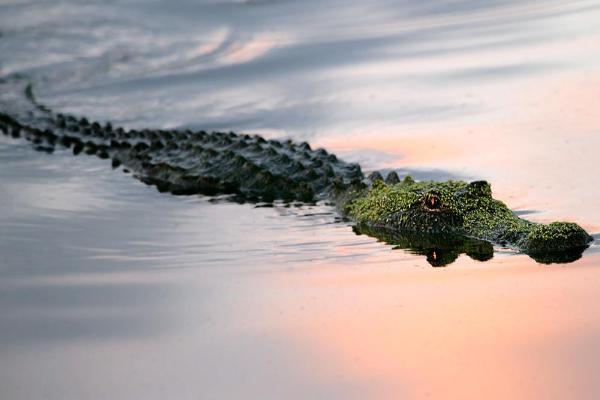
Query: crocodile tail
(183,161)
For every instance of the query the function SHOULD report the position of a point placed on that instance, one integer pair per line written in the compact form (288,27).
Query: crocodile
(442,210)
(425,215)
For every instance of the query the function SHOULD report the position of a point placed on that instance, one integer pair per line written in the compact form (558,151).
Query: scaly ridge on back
(186,162)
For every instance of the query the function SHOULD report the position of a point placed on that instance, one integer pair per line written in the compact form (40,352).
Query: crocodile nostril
(433,202)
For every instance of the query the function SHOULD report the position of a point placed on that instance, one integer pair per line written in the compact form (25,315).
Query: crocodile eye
(432,202)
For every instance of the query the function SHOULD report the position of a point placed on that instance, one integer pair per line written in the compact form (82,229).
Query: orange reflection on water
(409,149)
(245,51)
(515,331)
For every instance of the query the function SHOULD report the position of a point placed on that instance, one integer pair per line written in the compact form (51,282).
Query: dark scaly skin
(186,162)
(437,219)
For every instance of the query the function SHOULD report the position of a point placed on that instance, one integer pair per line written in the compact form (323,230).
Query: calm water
(110,290)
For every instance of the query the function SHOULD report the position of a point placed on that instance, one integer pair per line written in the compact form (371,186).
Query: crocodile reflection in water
(250,167)
(443,249)
(439,249)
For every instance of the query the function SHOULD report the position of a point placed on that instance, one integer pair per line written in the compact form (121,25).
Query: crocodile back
(183,161)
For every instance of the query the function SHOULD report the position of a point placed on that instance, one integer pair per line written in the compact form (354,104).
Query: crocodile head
(462,208)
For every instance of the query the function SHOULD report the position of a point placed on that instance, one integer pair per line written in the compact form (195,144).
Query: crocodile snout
(555,237)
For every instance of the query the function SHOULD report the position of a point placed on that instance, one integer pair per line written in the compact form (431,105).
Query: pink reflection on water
(511,332)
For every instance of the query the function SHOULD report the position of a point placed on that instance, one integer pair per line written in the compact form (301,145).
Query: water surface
(109,289)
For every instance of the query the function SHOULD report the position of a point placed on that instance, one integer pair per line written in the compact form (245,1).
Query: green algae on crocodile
(461,208)
(249,167)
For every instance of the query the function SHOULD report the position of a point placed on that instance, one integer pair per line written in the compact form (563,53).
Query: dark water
(109,289)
